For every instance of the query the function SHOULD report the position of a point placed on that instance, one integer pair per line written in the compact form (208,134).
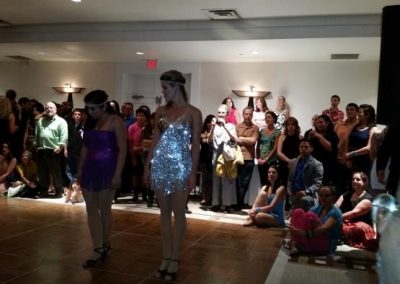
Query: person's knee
(263,194)
(298,212)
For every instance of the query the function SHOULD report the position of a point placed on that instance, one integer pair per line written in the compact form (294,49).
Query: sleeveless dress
(172,159)
(259,119)
(278,211)
(290,147)
(230,117)
(281,118)
(357,140)
(101,159)
(358,232)
(267,143)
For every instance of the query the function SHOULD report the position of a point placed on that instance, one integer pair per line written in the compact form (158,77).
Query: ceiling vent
(4,23)
(222,14)
(345,56)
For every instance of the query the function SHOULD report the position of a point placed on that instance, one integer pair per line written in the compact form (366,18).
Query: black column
(388,106)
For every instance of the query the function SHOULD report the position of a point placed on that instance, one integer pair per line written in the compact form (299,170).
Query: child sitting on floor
(74,193)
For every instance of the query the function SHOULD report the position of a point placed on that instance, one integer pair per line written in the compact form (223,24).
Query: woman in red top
(233,114)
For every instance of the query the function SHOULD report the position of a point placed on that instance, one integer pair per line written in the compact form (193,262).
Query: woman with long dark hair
(358,158)
(325,142)
(267,145)
(288,146)
(268,209)
(99,173)
(233,116)
(259,113)
(205,165)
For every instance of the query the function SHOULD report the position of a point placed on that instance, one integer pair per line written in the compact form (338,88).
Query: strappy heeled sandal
(107,248)
(91,262)
(160,273)
(171,276)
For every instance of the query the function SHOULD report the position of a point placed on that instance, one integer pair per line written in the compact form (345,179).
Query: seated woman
(268,209)
(27,178)
(317,231)
(7,167)
(356,207)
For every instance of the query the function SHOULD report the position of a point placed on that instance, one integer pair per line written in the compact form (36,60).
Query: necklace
(359,195)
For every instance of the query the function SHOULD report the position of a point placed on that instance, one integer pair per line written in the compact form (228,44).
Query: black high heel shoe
(171,276)
(107,248)
(101,254)
(162,272)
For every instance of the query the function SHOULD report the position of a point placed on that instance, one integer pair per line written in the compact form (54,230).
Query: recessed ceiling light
(254,52)
(41,53)
(139,53)
(76,1)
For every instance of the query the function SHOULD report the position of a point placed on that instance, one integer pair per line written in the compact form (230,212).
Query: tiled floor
(46,242)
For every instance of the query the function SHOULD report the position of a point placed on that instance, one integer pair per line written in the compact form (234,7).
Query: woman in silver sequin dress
(173,161)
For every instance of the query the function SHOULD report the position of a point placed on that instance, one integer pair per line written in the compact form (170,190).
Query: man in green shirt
(51,136)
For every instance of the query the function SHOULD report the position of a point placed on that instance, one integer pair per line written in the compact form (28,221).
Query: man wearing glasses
(51,137)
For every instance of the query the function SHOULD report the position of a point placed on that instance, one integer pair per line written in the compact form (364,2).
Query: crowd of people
(322,181)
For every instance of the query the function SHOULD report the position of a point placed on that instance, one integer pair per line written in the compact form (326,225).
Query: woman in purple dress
(100,167)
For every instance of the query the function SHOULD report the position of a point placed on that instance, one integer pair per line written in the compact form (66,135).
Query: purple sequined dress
(101,159)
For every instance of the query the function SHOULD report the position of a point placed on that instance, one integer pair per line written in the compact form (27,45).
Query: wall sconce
(251,94)
(68,89)
(157,99)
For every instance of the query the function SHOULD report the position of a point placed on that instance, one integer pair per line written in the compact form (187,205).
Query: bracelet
(353,154)
(258,209)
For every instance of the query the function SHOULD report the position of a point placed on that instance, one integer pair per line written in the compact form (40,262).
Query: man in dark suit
(305,177)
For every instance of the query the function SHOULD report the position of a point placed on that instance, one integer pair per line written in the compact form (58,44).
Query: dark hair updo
(96,97)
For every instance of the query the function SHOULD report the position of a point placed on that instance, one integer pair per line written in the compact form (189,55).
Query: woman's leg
(216,190)
(262,171)
(178,207)
(266,220)
(308,222)
(178,203)
(165,226)
(93,217)
(259,202)
(105,204)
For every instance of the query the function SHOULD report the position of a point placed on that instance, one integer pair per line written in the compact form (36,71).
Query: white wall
(37,79)
(306,86)
(127,73)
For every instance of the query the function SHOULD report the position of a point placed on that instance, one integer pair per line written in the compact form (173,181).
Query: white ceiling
(50,16)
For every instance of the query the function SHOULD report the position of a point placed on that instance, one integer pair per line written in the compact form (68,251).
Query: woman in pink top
(233,114)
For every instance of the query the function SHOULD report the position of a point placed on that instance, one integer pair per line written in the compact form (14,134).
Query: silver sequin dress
(172,160)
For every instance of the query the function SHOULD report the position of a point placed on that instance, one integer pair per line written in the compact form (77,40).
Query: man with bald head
(51,137)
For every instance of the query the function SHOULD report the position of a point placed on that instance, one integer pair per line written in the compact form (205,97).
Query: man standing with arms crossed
(247,137)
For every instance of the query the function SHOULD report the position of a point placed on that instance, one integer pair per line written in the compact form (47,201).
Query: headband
(95,105)
(173,82)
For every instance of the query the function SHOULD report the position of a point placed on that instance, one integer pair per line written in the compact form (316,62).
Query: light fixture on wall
(251,94)
(68,89)
(157,99)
